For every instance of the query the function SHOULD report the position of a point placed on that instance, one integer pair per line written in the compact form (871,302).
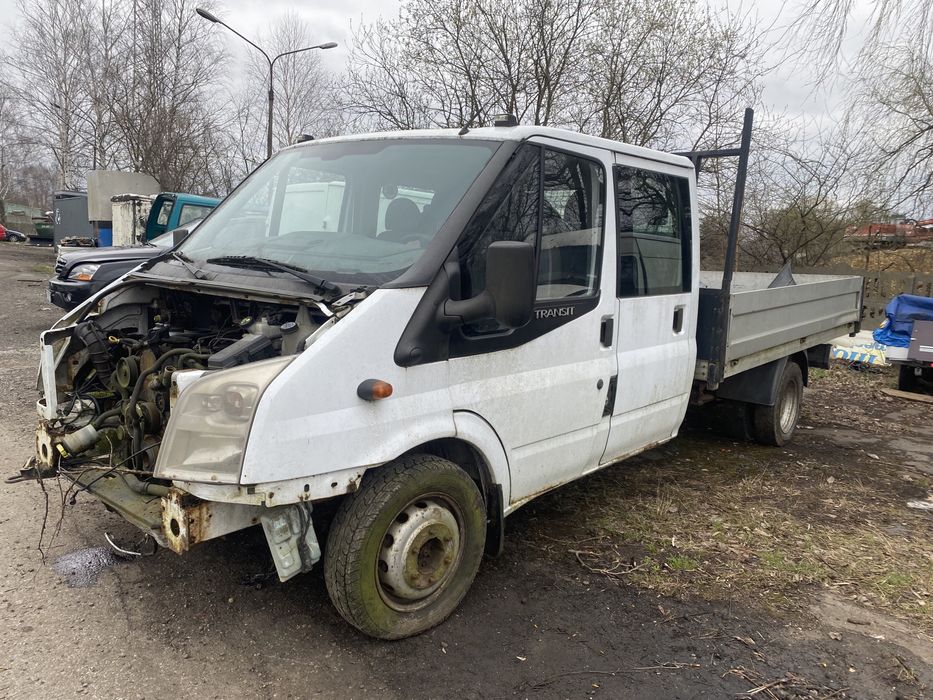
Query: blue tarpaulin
(901,313)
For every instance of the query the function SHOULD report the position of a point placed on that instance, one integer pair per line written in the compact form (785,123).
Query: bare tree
(304,103)
(891,76)
(896,101)
(804,191)
(671,74)
(9,142)
(379,91)
(49,63)
(457,62)
(163,108)
(658,72)
(119,84)
(826,24)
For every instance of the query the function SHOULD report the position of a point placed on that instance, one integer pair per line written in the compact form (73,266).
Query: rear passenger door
(656,304)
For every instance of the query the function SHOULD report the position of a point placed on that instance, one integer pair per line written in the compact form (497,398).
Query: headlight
(206,433)
(83,272)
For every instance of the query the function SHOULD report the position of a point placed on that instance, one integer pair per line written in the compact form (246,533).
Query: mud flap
(292,540)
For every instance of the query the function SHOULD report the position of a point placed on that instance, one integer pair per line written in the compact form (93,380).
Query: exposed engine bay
(118,373)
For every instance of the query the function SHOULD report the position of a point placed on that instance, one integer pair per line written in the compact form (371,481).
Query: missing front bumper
(187,520)
(178,520)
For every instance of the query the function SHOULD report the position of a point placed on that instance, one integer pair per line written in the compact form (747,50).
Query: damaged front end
(157,388)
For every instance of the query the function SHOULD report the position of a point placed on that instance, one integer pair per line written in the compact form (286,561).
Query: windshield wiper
(187,263)
(249,262)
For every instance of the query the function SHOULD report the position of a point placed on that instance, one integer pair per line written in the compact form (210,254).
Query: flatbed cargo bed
(755,324)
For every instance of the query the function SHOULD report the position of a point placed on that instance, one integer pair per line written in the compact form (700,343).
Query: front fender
(310,420)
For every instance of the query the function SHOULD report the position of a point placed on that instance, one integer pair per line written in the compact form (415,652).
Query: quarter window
(654,232)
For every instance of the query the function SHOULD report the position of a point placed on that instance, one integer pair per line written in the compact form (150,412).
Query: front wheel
(404,549)
(775,425)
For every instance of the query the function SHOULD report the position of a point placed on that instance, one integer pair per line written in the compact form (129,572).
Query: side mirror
(509,296)
(179,234)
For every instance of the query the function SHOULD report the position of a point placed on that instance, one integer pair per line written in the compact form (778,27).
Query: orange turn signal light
(374,389)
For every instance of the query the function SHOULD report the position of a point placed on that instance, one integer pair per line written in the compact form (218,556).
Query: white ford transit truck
(467,320)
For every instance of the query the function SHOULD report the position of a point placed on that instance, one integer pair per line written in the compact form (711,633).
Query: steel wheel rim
(420,553)
(788,408)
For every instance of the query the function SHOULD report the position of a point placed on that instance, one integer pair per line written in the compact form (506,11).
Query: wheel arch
(477,450)
(759,385)
(804,363)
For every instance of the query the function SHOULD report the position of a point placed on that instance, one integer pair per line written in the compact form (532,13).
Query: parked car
(81,273)
(11,236)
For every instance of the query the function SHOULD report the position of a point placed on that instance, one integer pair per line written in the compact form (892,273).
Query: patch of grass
(681,562)
(736,521)
(817,374)
(43,268)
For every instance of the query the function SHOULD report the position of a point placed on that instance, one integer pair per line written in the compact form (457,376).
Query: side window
(654,232)
(190,212)
(508,213)
(572,227)
(565,225)
(165,208)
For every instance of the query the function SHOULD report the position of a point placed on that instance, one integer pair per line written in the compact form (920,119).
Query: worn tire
(907,378)
(359,543)
(775,425)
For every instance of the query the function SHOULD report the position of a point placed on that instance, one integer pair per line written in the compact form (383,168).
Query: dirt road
(540,621)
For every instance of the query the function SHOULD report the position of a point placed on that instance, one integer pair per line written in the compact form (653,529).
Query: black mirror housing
(510,280)
(509,296)
(179,234)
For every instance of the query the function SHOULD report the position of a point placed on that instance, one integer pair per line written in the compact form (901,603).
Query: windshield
(353,211)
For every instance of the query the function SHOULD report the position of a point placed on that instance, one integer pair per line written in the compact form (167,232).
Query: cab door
(543,387)
(656,299)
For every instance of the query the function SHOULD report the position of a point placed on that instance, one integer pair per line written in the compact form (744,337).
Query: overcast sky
(787,90)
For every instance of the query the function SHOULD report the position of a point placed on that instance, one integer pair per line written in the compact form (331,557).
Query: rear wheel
(775,425)
(907,378)
(404,549)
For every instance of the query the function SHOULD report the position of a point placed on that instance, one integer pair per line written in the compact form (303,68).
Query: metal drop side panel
(766,324)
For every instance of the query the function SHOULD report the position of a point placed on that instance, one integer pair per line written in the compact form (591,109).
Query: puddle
(82,568)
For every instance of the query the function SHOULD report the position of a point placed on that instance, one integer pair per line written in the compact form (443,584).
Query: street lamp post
(210,17)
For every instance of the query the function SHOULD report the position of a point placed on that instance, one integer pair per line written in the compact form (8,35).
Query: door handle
(605,331)
(678,319)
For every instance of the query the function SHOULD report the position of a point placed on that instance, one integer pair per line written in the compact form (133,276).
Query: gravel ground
(537,622)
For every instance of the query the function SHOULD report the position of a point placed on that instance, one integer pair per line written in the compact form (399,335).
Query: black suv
(79,274)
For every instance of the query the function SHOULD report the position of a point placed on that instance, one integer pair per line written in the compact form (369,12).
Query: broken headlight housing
(206,434)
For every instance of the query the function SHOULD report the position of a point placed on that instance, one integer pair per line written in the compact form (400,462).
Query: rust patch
(182,519)
(187,520)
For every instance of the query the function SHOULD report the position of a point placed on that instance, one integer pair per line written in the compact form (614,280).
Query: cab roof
(514,133)
(190,198)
